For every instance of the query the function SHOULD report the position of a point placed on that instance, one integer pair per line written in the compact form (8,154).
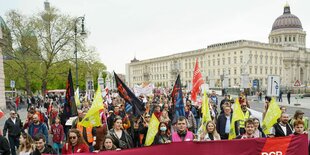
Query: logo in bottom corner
(272,153)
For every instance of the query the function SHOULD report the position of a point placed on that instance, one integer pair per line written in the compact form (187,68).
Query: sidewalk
(297,103)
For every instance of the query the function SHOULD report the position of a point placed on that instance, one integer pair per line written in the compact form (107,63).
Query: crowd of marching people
(45,130)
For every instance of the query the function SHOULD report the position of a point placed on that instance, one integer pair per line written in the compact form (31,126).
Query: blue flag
(177,99)
(137,105)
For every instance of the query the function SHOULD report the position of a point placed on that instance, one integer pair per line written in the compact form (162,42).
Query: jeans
(14,142)
(57,147)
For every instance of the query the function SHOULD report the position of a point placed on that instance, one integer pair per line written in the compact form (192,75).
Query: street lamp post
(75,44)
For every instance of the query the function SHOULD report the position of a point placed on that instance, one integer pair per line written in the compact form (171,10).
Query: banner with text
(291,145)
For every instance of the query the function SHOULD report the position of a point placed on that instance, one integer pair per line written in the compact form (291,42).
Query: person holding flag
(88,133)
(91,119)
(223,122)
(273,112)
(163,135)
(236,117)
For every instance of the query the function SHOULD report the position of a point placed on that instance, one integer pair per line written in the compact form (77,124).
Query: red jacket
(58,133)
(79,148)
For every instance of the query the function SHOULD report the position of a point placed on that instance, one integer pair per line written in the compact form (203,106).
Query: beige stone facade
(2,86)
(285,55)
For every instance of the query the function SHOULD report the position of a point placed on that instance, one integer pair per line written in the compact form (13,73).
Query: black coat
(221,124)
(279,132)
(48,150)
(13,129)
(4,146)
(125,139)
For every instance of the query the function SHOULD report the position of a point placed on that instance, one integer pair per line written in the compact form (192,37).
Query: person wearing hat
(299,115)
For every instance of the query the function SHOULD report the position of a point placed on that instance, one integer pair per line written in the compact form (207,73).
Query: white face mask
(163,128)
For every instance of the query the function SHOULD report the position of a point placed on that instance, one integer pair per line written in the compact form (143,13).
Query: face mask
(163,128)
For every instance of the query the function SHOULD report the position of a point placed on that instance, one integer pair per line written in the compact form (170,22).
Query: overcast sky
(122,29)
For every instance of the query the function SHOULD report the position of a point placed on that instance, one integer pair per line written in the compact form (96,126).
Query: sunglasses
(74,137)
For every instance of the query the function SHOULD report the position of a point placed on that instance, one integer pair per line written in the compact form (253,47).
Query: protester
(163,134)
(121,138)
(156,111)
(29,118)
(210,133)
(244,107)
(283,109)
(75,143)
(249,130)
(299,115)
(191,119)
(143,127)
(165,117)
(282,128)
(266,106)
(88,133)
(37,127)
(108,144)
(299,127)
(13,126)
(182,133)
(58,133)
(4,146)
(41,145)
(226,99)
(223,123)
(258,131)
(26,144)
(116,112)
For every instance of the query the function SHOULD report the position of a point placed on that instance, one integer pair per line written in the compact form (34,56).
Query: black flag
(137,105)
(70,109)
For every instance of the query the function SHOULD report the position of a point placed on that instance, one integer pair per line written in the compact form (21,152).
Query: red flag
(197,81)
(1,113)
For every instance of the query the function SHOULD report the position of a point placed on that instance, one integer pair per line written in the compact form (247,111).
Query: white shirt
(283,128)
(13,120)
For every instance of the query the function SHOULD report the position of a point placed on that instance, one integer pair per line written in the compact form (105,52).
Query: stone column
(2,86)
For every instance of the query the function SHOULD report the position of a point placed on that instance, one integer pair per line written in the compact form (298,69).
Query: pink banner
(291,145)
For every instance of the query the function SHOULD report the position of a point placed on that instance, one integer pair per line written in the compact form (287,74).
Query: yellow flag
(152,130)
(236,116)
(272,114)
(205,110)
(92,118)
(77,97)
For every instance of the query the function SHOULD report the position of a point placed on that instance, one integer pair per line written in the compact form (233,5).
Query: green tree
(43,51)
(22,56)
